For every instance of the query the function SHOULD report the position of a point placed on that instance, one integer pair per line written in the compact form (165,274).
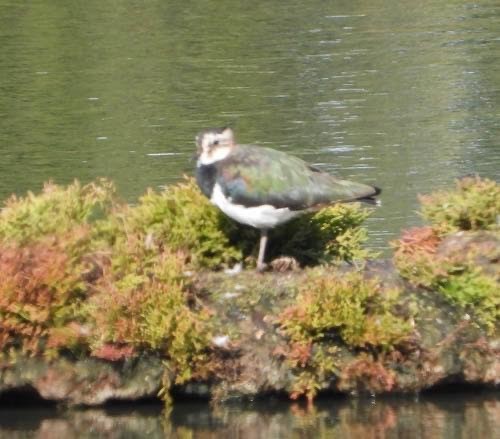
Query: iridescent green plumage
(254,176)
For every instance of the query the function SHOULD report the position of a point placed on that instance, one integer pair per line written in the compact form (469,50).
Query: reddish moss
(367,374)
(300,354)
(414,256)
(40,287)
(113,352)
(418,239)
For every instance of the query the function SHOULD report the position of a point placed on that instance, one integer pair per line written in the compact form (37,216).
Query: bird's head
(214,144)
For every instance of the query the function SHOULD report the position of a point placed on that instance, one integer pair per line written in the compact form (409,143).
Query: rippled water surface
(402,94)
(457,416)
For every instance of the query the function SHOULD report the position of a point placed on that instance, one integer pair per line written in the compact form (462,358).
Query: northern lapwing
(263,187)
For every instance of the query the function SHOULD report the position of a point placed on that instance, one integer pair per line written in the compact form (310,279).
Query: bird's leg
(262,250)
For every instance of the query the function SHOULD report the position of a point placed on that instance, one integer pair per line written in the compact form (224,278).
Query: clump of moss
(149,309)
(474,291)
(45,241)
(333,234)
(55,211)
(414,256)
(367,373)
(41,291)
(181,219)
(142,293)
(346,305)
(434,258)
(314,366)
(473,205)
(349,307)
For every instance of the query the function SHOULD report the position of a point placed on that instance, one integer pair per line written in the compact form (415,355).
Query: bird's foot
(285,263)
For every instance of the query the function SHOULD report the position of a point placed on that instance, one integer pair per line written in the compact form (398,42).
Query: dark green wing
(252,176)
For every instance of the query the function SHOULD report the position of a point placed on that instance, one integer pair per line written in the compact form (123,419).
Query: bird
(264,187)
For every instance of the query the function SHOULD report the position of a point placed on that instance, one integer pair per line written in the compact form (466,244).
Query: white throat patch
(214,155)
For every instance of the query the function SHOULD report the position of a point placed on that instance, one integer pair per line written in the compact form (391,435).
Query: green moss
(474,292)
(332,234)
(349,307)
(314,372)
(55,211)
(474,204)
(182,219)
(142,292)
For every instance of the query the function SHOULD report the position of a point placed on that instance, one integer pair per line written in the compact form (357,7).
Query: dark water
(456,416)
(402,94)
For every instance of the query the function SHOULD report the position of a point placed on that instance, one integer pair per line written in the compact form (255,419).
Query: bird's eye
(216,142)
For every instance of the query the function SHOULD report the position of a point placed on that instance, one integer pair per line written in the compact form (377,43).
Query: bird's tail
(346,190)
(372,198)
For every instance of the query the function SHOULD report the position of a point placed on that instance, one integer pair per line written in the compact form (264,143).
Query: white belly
(260,217)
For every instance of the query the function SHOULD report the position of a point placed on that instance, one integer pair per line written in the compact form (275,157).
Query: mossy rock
(112,285)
